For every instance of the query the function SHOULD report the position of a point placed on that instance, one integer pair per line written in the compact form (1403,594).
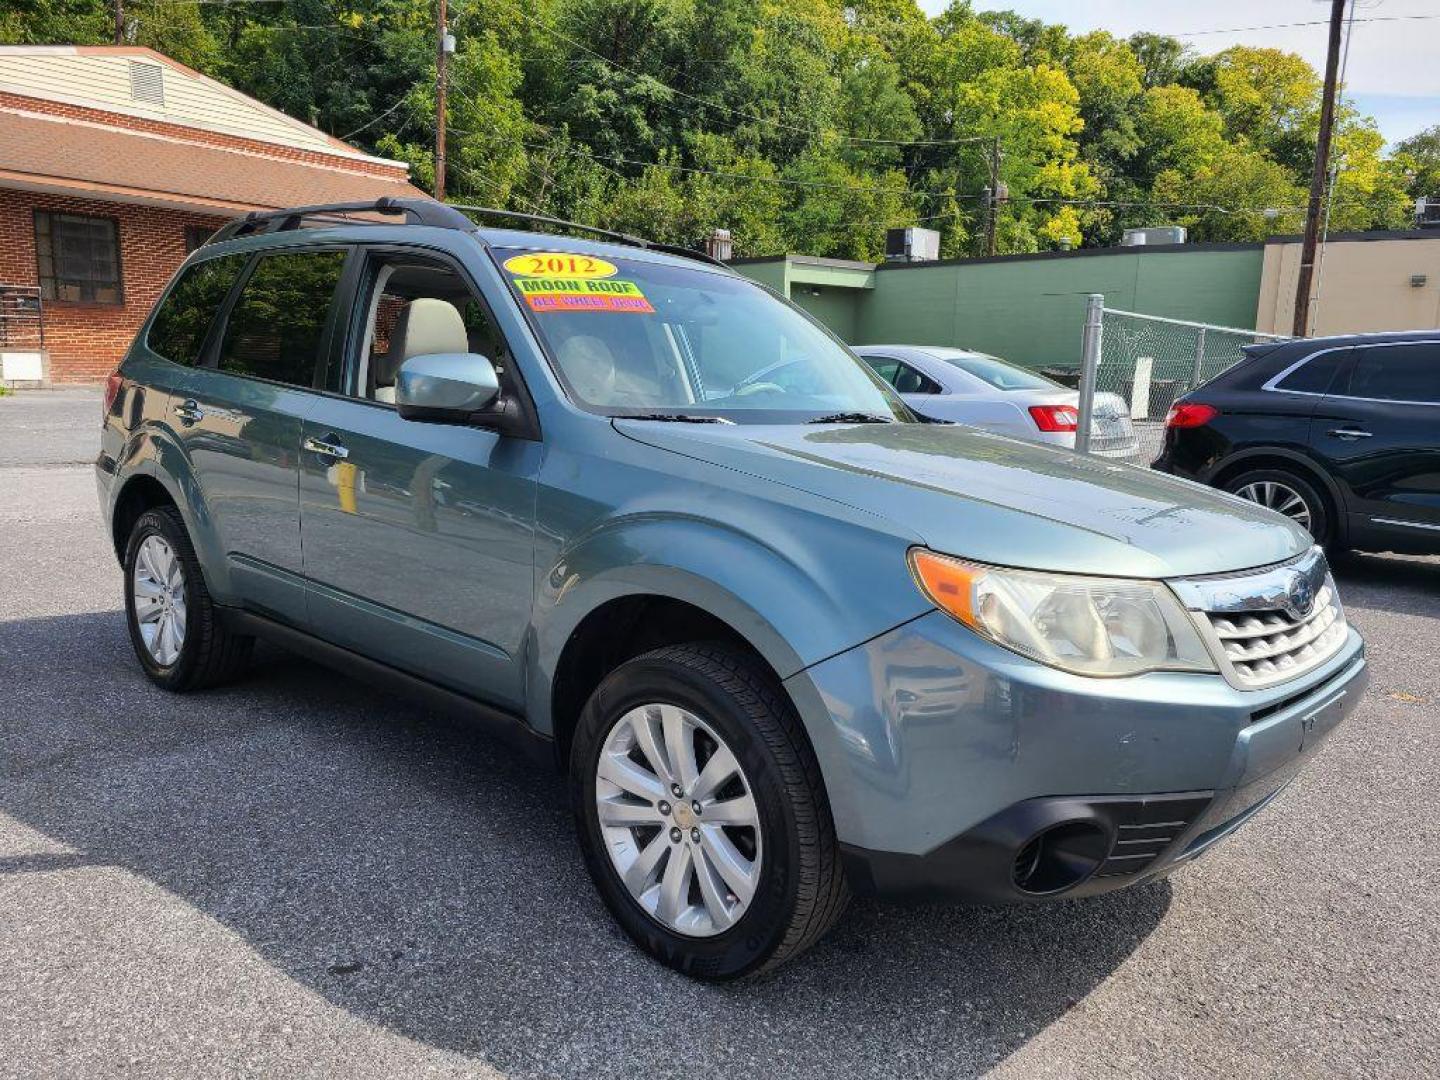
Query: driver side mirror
(446,388)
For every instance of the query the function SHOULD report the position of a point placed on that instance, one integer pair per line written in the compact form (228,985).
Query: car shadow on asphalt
(422,877)
(1408,584)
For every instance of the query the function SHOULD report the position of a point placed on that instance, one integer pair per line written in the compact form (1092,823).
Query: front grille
(1271,625)
(1270,646)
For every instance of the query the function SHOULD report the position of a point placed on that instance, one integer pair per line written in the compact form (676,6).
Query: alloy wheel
(158,581)
(679,819)
(1279,497)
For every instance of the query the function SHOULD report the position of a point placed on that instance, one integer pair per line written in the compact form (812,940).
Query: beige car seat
(427,325)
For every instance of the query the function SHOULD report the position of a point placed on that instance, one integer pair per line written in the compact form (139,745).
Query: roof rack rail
(618,237)
(427,212)
(415,211)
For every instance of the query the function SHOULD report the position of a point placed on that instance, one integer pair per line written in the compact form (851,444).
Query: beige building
(1365,281)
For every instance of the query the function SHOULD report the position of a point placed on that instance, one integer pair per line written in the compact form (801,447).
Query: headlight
(1091,626)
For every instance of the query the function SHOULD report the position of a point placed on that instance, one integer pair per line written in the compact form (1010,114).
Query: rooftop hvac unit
(1427,212)
(718,245)
(1165,234)
(912,245)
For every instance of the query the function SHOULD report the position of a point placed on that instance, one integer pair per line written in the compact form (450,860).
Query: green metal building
(1027,308)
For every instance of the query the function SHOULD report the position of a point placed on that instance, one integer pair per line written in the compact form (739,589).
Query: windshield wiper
(676,418)
(852,418)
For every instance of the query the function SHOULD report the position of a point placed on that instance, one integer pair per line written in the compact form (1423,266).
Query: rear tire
(1291,494)
(174,627)
(733,705)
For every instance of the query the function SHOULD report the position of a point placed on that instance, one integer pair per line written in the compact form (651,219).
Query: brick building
(115,162)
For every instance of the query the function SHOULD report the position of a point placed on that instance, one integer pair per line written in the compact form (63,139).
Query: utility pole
(992,196)
(1317,177)
(444,46)
(119,22)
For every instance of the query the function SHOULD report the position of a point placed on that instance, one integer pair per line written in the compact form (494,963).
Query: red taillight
(112,389)
(1190,414)
(1055,417)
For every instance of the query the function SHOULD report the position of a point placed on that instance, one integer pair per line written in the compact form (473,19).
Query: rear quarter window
(1316,374)
(186,314)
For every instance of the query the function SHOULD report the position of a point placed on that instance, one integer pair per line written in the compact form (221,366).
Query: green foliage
(1417,163)
(801,125)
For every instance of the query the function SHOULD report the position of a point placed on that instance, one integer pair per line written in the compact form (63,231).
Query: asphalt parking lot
(297,876)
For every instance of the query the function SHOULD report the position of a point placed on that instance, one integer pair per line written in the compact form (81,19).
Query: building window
(195,237)
(78,257)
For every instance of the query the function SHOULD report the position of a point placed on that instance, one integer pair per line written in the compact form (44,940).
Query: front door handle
(189,412)
(328,447)
(1349,433)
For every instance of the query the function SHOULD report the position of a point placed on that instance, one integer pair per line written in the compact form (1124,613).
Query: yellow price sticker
(559,264)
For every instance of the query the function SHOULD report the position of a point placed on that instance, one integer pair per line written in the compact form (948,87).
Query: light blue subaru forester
(654,524)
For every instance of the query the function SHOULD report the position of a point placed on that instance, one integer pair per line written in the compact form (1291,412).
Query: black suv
(1342,434)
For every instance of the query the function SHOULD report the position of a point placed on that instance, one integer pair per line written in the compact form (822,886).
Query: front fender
(797,599)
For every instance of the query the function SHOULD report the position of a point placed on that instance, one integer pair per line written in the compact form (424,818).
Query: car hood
(982,496)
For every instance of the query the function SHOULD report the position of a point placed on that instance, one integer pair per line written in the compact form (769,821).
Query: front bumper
(951,763)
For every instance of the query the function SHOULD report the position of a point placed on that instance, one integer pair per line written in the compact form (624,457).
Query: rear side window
(909,381)
(1316,374)
(276,326)
(1398,373)
(999,374)
(883,366)
(178,330)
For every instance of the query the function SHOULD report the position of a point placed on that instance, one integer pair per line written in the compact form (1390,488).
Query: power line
(375,120)
(1032,199)
(818,184)
(1293,25)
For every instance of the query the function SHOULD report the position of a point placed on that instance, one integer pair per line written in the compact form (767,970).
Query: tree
(1228,197)
(807,125)
(1417,159)
(1163,60)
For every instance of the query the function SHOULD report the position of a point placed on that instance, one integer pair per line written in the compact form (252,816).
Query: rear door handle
(328,447)
(1349,433)
(189,412)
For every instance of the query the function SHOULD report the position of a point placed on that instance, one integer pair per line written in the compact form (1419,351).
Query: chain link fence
(1146,362)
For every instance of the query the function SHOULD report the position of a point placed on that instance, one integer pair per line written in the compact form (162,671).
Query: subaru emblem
(1299,595)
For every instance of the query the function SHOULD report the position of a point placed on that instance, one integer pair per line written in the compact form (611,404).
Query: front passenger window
(1398,373)
(417,307)
(278,324)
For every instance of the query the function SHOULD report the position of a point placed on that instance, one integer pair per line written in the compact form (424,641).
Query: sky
(1394,69)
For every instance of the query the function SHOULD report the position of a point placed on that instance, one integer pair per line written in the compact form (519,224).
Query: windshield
(999,374)
(638,338)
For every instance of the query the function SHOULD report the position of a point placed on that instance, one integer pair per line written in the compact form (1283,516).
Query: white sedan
(984,391)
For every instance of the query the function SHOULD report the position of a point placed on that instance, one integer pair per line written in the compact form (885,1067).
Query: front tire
(741,870)
(178,637)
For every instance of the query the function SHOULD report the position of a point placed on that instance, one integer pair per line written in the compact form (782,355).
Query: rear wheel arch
(1284,461)
(139,493)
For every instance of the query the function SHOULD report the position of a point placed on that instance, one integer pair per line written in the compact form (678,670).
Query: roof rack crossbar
(609,234)
(415,211)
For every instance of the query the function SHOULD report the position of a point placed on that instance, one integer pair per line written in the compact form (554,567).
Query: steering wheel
(758,381)
(759,388)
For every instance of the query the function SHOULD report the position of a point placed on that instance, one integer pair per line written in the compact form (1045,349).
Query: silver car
(984,391)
